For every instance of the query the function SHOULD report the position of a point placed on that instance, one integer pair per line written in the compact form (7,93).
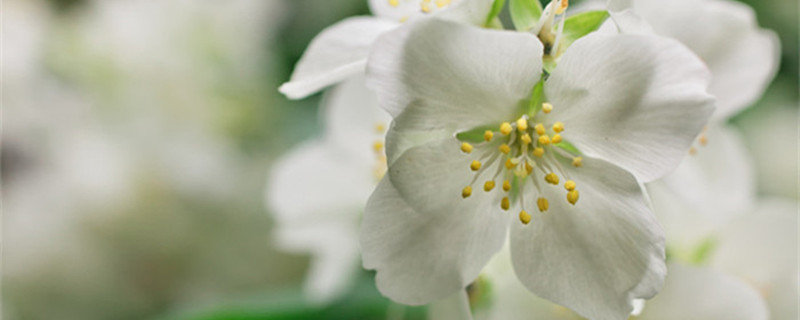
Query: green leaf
(581,24)
(537,97)
(525,13)
(497,6)
(703,252)
(569,147)
(475,135)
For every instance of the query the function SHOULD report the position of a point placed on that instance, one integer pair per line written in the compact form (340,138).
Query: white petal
(424,240)
(338,52)
(771,136)
(634,100)
(466,11)
(352,116)
(743,58)
(440,74)
(693,293)
(761,249)
(454,307)
(597,256)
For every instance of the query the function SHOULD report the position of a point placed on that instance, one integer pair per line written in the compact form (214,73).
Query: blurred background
(136,141)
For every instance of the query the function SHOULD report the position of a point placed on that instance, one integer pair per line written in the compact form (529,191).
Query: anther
(703,140)
(505,203)
(466,147)
(569,185)
(526,138)
(504,148)
(528,167)
(475,165)
(488,186)
(558,127)
(556,138)
(377,146)
(539,129)
(538,151)
(524,217)
(466,192)
(542,204)
(393,3)
(692,151)
(547,107)
(425,7)
(380,128)
(510,164)
(572,196)
(506,185)
(487,135)
(505,128)
(577,162)
(522,124)
(544,140)
(551,178)
(442,3)
(562,7)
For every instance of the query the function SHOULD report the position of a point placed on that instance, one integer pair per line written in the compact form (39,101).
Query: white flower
(318,191)
(631,104)
(340,51)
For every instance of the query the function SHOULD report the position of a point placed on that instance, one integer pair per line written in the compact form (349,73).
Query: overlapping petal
(597,256)
(634,100)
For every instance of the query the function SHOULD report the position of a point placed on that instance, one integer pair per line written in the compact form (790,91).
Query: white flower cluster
(541,162)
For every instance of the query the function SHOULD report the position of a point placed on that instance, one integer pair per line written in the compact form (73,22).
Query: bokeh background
(136,140)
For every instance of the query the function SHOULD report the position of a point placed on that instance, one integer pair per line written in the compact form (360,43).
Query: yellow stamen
(572,196)
(466,192)
(569,185)
(703,140)
(524,217)
(528,167)
(562,7)
(505,204)
(542,204)
(377,146)
(510,164)
(488,186)
(556,138)
(577,162)
(475,165)
(403,19)
(544,140)
(558,127)
(466,147)
(538,151)
(526,138)
(393,3)
(380,128)
(505,128)
(551,178)
(488,135)
(692,151)
(442,3)
(547,107)
(504,148)
(522,124)
(506,185)
(425,7)
(539,129)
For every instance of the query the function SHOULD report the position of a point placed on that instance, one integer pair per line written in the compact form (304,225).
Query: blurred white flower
(317,192)
(340,51)
(428,235)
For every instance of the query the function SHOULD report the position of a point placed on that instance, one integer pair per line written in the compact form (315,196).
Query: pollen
(539,152)
(380,128)
(544,140)
(551,178)
(488,135)
(577,162)
(572,196)
(692,151)
(526,139)
(562,7)
(524,217)
(488,186)
(504,148)
(539,129)
(522,124)
(377,146)
(556,138)
(425,7)
(506,185)
(475,165)
(505,128)
(393,3)
(547,107)
(466,192)
(505,203)
(510,164)
(442,3)
(466,147)
(558,127)
(703,140)
(542,204)
(528,167)
(569,185)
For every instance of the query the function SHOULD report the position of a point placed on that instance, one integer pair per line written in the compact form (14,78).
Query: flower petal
(441,74)
(466,11)
(597,256)
(634,100)
(742,57)
(697,293)
(454,307)
(424,240)
(338,52)
(761,248)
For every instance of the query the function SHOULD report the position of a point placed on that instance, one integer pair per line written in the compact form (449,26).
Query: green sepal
(703,252)
(497,6)
(581,24)
(568,146)
(525,13)
(537,97)
(475,135)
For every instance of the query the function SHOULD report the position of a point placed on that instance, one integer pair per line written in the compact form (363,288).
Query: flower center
(514,153)
(544,29)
